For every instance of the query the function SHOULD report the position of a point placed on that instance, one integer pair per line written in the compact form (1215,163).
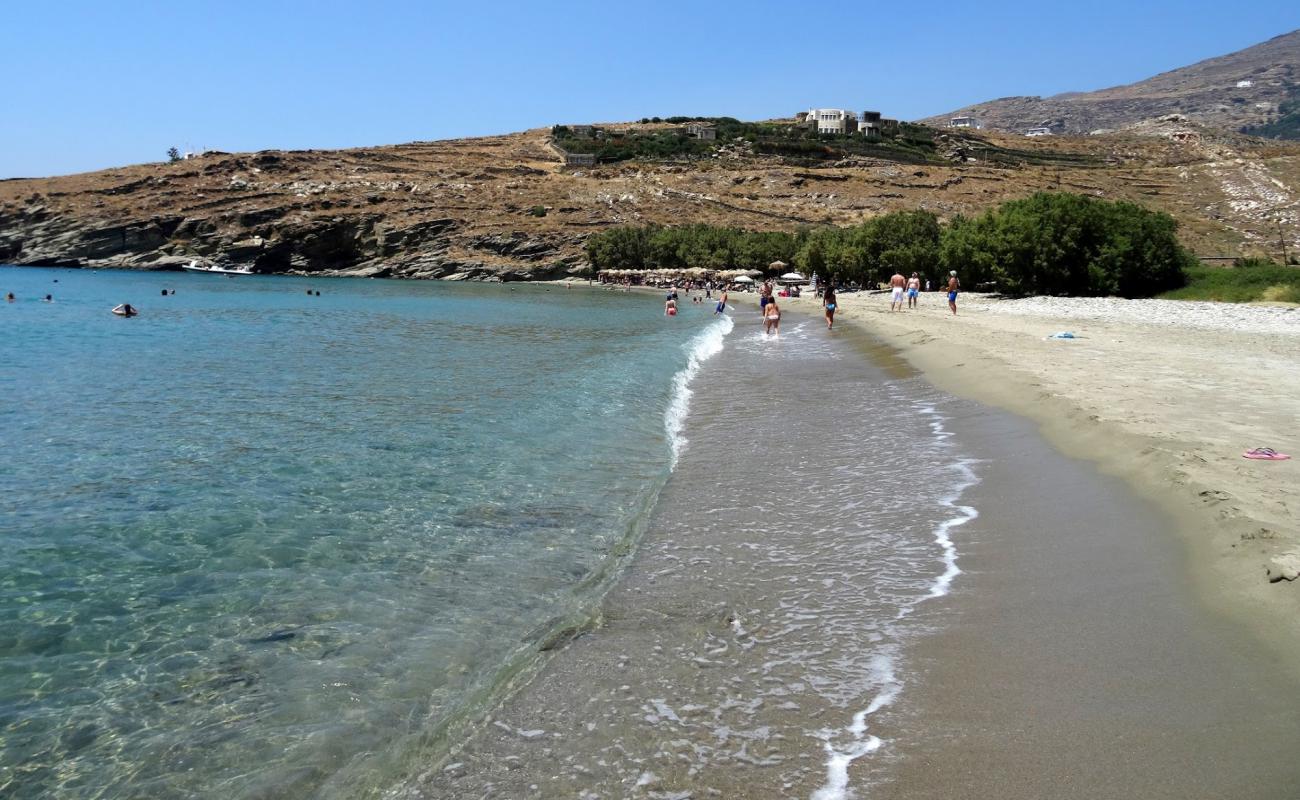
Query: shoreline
(1067,658)
(1236,519)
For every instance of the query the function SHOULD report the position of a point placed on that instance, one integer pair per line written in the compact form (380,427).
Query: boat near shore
(194,266)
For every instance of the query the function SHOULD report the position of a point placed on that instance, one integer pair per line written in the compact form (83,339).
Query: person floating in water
(9,297)
(49,298)
(125,310)
(828,303)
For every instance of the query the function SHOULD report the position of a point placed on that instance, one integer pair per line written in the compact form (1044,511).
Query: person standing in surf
(896,284)
(771,317)
(953,286)
(722,303)
(764,297)
(828,303)
(913,289)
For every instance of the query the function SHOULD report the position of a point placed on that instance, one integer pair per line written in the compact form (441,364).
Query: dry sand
(1164,394)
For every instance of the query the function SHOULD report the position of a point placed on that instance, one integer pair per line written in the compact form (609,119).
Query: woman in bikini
(828,303)
(771,317)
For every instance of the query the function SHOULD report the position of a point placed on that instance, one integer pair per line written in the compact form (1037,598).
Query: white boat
(193,266)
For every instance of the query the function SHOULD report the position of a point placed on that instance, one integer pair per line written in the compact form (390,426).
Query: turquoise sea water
(257,543)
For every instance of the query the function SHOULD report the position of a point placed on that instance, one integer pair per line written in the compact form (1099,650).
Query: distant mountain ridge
(1239,90)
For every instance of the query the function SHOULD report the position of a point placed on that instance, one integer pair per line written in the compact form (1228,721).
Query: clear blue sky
(96,84)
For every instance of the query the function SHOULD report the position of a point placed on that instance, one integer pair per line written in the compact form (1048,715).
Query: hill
(1240,90)
(506,208)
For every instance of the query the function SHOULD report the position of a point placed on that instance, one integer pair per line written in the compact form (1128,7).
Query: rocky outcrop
(272,240)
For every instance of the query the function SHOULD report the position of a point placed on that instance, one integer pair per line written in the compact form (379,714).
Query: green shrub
(537,211)
(1046,244)
(1069,244)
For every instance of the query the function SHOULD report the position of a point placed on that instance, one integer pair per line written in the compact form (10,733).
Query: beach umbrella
(743,279)
(792,277)
(776,266)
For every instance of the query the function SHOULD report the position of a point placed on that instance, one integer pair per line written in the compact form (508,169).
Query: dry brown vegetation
(471,207)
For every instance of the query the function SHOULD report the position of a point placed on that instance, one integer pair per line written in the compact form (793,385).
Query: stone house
(963,122)
(702,130)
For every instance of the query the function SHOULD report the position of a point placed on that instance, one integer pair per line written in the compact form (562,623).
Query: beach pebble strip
(1231,317)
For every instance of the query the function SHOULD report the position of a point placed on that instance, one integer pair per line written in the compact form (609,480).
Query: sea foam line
(706,344)
(859,741)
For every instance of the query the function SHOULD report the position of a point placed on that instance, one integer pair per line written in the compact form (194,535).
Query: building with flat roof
(963,122)
(833,120)
(1039,131)
(702,130)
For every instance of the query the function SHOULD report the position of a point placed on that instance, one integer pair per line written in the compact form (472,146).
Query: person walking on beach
(896,285)
(913,289)
(722,303)
(953,286)
(771,317)
(828,303)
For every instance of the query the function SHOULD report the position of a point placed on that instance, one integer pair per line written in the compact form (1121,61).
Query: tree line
(1050,243)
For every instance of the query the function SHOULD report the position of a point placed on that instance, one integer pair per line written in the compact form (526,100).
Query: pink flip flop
(1265,454)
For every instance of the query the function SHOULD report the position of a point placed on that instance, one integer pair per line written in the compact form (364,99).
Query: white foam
(706,344)
(856,742)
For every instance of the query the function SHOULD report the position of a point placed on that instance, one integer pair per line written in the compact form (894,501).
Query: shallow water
(789,564)
(261,543)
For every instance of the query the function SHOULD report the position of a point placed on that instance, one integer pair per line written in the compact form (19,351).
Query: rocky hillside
(1230,92)
(505,208)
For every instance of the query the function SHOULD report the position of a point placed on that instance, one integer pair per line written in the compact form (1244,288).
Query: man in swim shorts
(953,286)
(913,289)
(896,285)
(722,303)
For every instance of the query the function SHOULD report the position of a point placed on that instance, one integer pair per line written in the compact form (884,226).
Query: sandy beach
(1164,394)
(743,653)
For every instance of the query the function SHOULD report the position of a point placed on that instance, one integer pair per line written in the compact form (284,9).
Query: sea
(262,542)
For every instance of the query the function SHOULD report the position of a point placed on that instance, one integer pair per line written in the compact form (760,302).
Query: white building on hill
(833,120)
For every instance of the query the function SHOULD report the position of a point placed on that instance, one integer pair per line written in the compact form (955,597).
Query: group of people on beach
(770,311)
(898,285)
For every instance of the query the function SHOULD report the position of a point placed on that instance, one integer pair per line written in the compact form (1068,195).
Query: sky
(91,85)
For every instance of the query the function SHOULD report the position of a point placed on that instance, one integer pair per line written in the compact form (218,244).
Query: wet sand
(1164,394)
(1079,663)
(1072,659)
